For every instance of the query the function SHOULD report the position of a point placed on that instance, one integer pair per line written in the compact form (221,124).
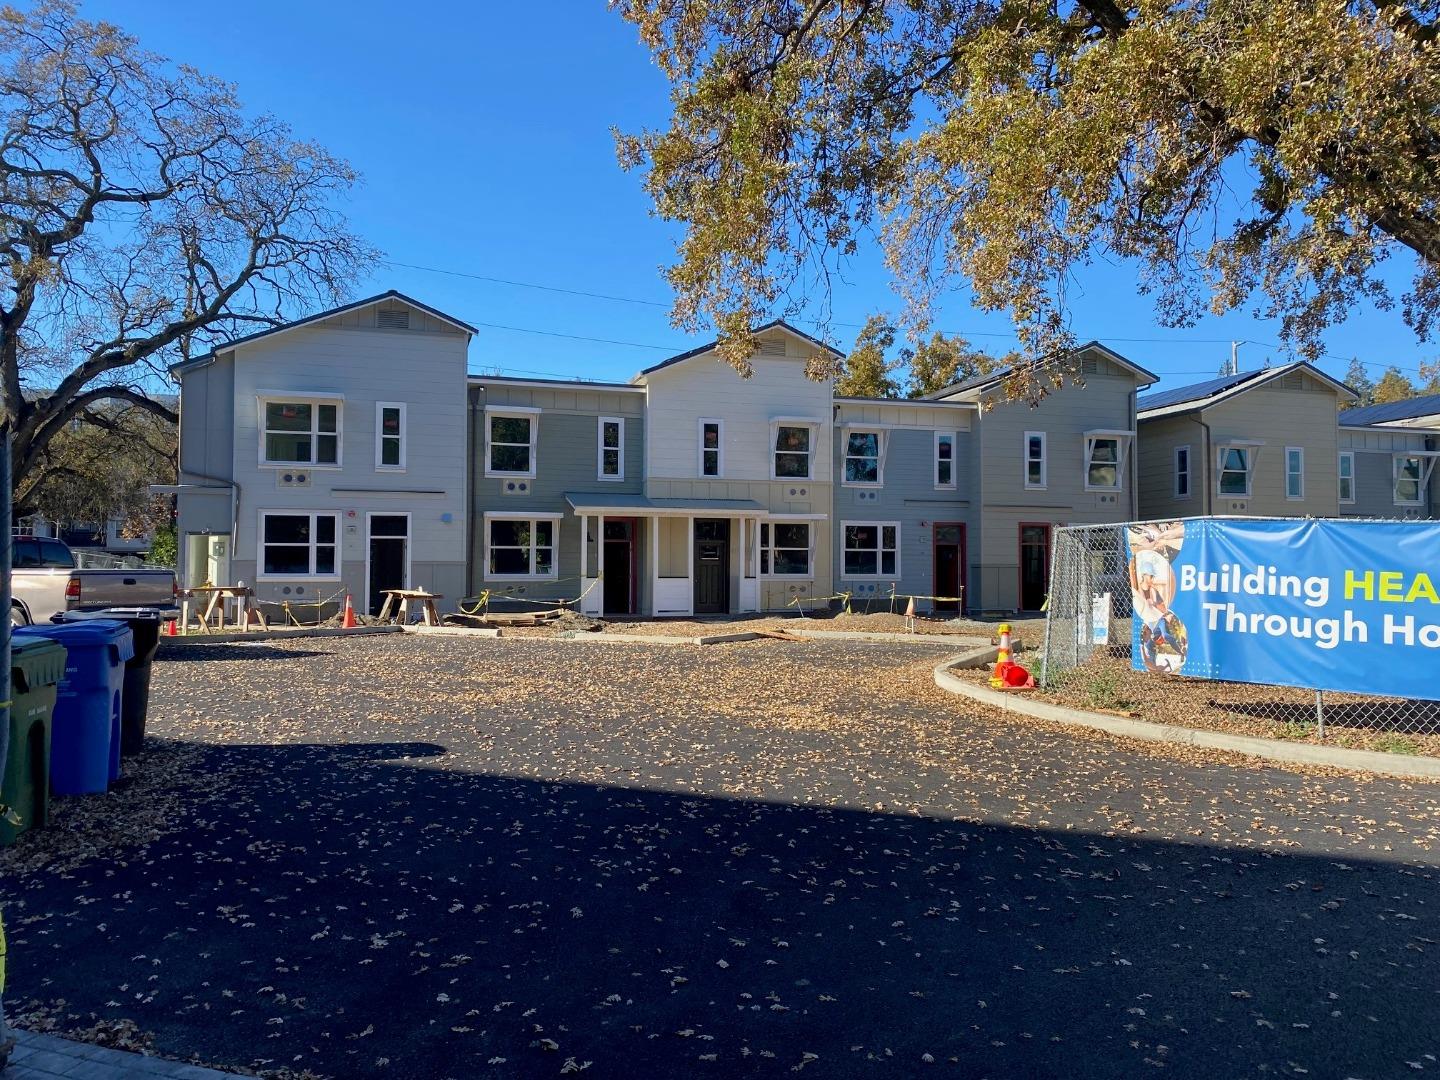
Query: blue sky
(483,134)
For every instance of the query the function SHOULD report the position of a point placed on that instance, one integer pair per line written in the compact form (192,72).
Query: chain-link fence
(102,560)
(1086,662)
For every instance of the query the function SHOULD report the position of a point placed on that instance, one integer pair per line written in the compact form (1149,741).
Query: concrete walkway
(45,1057)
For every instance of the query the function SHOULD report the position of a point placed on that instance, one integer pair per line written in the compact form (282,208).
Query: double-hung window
(712,447)
(299,545)
(390,435)
(785,548)
(794,444)
(1103,458)
(945,460)
(519,547)
(510,441)
(1035,464)
(863,450)
(1347,476)
(299,430)
(1182,472)
(1294,472)
(1235,466)
(1410,474)
(871,548)
(611,449)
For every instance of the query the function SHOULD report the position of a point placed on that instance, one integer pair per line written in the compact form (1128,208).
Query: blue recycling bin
(85,731)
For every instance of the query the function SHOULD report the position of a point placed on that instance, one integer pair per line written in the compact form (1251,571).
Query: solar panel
(1194,392)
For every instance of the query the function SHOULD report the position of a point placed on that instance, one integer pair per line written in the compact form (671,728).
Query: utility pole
(1235,357)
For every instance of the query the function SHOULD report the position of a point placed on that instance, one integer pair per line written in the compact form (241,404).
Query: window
(1294,472)
(1102,462)
(712,447)
(862,457)
(1235,463)
(1409,480)
(945,459)
(299,432)
(512,441)
(785,548)
(792,452)
(299,545)
(611,453)
(390,435)
(1035,459)
(520,547)
(1347,476)
(871,548)
(40,554)
(1182,472)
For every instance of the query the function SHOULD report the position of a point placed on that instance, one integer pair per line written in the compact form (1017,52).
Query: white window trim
(380,436)
(261,575)
(954,483)
(881,445)
(1427,466)
(811,533)
(1251,449)
(1044,461)
(879,560)
(1301,451)
(525,412)
(776,423)
(719,474)
(532,517)
(600,448)
(1122,455)
(1340,477)
(1189,472)
(303,397)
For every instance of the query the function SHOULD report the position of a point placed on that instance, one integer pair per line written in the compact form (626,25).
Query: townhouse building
(1263,443)
(1387,459)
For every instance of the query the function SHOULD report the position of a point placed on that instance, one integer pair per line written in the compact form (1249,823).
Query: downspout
(1134,457)
(470,470)
(1205,470)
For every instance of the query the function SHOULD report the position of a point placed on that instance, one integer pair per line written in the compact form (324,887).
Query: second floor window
(1035,459)
(1294,472)
(945,459)
(1347,476)
(1182,472)
(792,452)
(511,450)
(1234,478)
(300,432)
(390,435)
(712,455)
(1102,463)
(612,448)
(862,457)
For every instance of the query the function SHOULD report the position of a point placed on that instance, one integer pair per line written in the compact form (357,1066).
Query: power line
(580,337)
(529,285)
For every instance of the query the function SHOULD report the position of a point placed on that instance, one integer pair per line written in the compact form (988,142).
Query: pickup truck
(45,581)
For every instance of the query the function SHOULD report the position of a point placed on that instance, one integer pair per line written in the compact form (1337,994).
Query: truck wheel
(18,616)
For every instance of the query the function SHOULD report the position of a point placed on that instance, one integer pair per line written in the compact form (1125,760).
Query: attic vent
(1090,366)
(1293,381)
(393,319)
(772,348)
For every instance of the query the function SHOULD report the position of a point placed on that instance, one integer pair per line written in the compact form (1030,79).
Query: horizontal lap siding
(1156,462)
(1281,417)
(1374,471)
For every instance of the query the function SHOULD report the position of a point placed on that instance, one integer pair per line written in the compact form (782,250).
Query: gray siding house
(1387,471)
(1261,443)
(1067,461)
(320,457)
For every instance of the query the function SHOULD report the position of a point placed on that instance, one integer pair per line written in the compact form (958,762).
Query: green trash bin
(37,665)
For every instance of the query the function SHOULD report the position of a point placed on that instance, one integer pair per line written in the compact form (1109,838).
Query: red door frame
(964,559)
(634,542)
(1021,526)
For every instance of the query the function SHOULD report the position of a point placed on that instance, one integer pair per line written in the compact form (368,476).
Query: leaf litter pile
(409,856)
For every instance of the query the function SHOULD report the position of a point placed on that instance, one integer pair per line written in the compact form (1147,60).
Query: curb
(279,635)
(888,639)
(453,631)
(1370,761)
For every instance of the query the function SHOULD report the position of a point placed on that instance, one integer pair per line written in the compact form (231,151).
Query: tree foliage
(1358,379)
(1262,154)
(933,364)
(866,372)
(146,217)
(938,361)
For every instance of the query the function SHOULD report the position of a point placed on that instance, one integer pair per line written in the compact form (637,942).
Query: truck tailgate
(122,588)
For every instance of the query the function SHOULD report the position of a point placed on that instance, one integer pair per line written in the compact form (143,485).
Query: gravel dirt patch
(435,857)
(1109,684)
(1029,632)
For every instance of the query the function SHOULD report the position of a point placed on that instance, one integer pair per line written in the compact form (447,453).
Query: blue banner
(1326,605)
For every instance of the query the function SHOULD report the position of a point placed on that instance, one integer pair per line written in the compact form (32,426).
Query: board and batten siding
(423,367)
(566,460)
(207,439)
(1375,449)
(908,495)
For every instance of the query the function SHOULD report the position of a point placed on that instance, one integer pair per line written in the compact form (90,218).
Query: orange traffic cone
(1002,658)
(348,622)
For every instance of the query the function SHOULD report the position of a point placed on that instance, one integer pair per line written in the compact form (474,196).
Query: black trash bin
(144,624)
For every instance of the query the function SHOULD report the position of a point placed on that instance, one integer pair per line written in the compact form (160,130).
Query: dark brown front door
(712,566)
(949,563)
(1034,566)
(618,560)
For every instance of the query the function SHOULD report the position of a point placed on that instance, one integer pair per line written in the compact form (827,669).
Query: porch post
(584,552)
(654,563)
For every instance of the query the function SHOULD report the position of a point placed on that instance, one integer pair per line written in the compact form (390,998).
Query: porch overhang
(614,504)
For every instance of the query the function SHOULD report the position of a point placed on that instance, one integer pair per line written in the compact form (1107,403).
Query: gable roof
(1202,395)
(992,378)
(773,324)
(1388,413)
(391,294)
